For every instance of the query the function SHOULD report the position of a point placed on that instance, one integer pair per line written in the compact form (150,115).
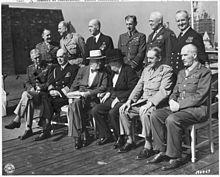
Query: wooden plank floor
(57,155)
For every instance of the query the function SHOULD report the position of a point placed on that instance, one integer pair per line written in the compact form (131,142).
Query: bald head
(62,57)
(156,20)
(94,27)
(189,55)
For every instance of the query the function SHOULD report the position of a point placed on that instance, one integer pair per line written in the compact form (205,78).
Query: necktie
(180,35)
(94,39)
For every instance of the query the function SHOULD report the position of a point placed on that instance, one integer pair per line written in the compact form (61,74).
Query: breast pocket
(72,48)
(134,47)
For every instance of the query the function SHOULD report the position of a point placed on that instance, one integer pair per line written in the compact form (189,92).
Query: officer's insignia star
(68,74)
(189,39)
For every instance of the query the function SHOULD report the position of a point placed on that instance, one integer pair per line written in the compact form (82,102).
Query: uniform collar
(183,32)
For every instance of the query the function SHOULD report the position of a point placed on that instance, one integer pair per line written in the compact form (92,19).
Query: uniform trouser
(27,104)
(125,120)
(76,113)
(102,112)
(167,128)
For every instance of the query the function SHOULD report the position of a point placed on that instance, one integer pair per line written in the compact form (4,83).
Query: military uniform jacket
(191,92)
(133,48)
(60,79)
(190,37)
(126,82)
(154,86)
(104,43)
(99,84)
(74,44)
(37,76)
(48,53)
(165,39)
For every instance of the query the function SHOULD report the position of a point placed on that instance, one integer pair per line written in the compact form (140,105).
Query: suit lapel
(120,77)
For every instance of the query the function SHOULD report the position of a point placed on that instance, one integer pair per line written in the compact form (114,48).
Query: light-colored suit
(78,108)
(154,86)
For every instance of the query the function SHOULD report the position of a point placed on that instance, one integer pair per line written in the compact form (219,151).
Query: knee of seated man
(171,119)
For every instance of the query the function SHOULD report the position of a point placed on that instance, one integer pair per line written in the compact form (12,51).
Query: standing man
(187,36)
(72,43)
(90,81)
(35,96)
(151,91)
(98,41)
(47,48)
(187,106)
(59,83)
(133,44)
(161,37)
(122,81)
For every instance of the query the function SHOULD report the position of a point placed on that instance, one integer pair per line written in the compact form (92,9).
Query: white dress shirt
(92,76)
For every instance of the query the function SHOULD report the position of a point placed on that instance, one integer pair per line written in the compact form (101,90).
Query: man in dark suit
(98,41)
(59,82)
(90,81)
(132,44)
(187,106)
(48,48)
(122,81)
(161,37)
(33,101)
(186,36)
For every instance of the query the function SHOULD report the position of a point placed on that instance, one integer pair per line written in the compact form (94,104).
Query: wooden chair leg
(210,133)
(94,127)
(193,143)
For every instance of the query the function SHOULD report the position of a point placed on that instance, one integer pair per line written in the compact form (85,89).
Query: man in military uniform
(186,36)
(132,44)
(47,48)
(72,43)
(59,82)
(150,93)
(98,41)
(187,106)
(35,96)
(161,37)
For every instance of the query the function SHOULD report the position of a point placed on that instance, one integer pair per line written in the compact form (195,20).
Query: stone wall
(25,28)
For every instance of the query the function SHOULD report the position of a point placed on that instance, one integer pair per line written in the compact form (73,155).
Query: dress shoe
(42,136)
(144,154)
(27,134)
(13,125)
(158,158)
(173,163)
(78,143)
(103,141)
(127,147)
(119,143)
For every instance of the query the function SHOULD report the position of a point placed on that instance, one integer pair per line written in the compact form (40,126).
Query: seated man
(122,81)
(187,105)
(151,91)
(34,96)
(59,82)
(90,81)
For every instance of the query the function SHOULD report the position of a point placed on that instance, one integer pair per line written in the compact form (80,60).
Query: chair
(212,108)
(64,112)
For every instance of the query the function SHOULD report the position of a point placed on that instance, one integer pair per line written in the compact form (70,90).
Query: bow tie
(94,70)
(116,72)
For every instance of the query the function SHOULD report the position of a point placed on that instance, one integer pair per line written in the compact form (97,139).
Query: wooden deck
(57,156)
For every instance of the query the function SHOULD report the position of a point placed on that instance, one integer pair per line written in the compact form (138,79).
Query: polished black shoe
(13,125)
(43,136)
(173,163)
(145,153)
(119,143)
(27,134)
(127,147)
(84,143)
(103,141)
(78,143)
(158,158)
